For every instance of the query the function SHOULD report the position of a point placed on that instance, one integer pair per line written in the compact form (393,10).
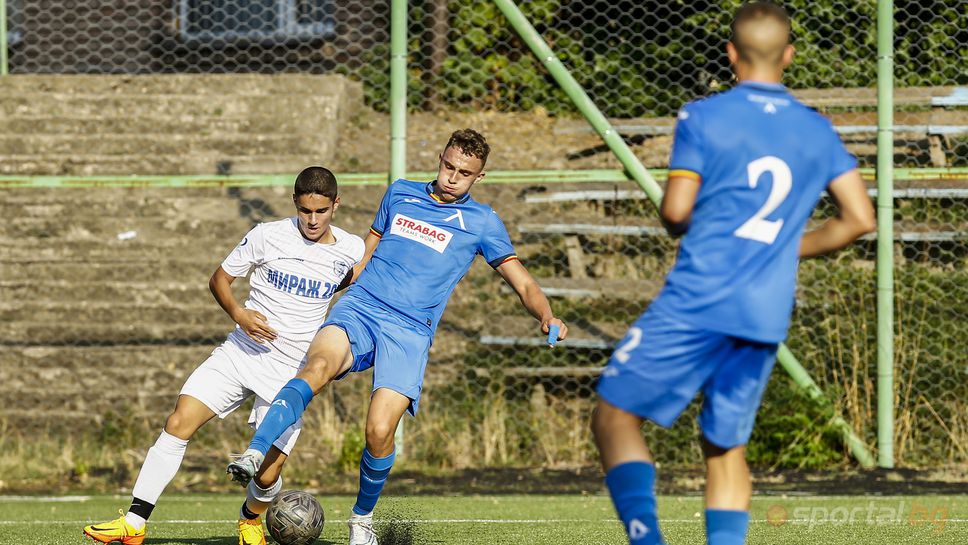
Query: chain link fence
(494,395)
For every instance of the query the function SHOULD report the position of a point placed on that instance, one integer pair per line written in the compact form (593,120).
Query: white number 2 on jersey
(757,228)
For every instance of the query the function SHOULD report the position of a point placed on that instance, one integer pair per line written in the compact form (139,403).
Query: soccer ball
(295,518)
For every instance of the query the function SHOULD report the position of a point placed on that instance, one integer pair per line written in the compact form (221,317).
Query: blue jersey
(426,247)
(763,160)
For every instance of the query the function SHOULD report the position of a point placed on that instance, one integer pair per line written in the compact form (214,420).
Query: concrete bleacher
(92,324)
(171,123)
(940,116)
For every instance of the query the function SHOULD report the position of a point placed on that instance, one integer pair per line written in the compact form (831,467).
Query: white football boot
(361,530)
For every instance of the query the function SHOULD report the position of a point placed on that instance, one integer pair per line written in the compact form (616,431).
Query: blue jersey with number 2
(762,160)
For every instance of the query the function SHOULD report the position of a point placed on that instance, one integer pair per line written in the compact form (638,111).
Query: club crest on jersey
(340,268)
(422,232)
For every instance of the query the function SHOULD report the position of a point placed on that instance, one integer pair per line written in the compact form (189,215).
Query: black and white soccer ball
(295,518)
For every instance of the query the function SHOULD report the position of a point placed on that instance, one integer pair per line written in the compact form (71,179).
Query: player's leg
(653,374)
(329,357)
(386,409)
(400,359)
(264,488)
(728,482)
(159,468)
(629,470)
(731,399)
(211,389)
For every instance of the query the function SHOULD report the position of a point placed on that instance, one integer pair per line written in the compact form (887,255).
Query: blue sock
(286,408)
(632,486)
(726,527)
(373,475)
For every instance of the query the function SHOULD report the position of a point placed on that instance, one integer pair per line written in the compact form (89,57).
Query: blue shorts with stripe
(392,344)
(662,363)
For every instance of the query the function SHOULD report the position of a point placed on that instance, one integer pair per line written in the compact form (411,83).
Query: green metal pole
(638,172)
(885,233)
(585,105)
(3,37)
(398,119)
(398,89)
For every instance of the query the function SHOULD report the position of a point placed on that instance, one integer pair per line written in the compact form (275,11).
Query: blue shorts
(381,338)
(660,365)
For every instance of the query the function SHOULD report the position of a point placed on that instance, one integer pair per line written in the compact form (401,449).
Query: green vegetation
(647,58)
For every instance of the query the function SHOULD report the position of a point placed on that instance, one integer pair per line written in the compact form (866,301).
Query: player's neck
(764,80)
(752,75)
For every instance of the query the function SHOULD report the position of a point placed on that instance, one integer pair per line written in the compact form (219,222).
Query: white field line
(696,520)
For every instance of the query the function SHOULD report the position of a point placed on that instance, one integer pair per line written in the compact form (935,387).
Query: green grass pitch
(510,519)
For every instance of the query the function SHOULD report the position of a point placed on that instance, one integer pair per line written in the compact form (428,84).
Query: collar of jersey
(763,86)
(430,191)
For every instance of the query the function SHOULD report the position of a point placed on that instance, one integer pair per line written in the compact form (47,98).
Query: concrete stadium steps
(192,272)
(108,322)
(23,292)
(142,248)
(55,387)
(57,366)
(200,161)
(223,125)
(61,230)
(213,84)
(227,145)
(171,124)
(189,106)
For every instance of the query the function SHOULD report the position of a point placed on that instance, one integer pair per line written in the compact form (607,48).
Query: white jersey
(292,283)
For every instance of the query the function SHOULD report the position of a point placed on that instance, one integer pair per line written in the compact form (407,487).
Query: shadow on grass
(221,540)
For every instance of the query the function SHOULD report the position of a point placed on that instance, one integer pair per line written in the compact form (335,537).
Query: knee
(179,426)
(379,438)
(319,371)
(600,422)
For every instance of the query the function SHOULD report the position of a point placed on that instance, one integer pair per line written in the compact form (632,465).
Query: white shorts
(233,373)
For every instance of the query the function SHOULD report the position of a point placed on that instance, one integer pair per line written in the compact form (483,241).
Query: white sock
(135,521)
(161,464)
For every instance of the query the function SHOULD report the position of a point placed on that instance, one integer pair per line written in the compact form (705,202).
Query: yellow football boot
(118,530)
(251,532)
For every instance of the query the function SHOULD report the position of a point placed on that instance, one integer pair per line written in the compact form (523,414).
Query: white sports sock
(161,464)
(136,521)
(257,499)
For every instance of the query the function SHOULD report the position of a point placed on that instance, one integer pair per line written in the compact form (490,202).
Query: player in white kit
(297,264)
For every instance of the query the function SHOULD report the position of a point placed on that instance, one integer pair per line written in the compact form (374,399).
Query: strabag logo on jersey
(422,232)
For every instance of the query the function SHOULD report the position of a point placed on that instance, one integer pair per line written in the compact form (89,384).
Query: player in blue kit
(747,168)
(423,240)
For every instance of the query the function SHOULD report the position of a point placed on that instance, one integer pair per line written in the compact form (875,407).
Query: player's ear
(788,53)
(336,203)
(731,53)
(480,176)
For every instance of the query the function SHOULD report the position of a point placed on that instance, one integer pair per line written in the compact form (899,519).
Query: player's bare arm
(677,203)
(370,243)
(855,217)
(533,299)
(253,322)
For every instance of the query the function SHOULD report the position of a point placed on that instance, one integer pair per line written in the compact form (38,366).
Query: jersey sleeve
(249,253)
(687,156)
(357,250)
(496,245)
(380,222)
